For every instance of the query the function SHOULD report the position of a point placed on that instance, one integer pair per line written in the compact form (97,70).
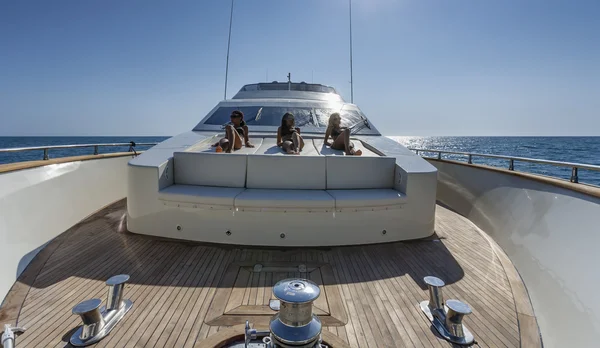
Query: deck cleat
(436,299)
(9,334)
(446,318)
(99,321)
(454,316)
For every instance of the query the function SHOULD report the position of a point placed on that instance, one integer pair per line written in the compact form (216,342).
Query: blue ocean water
(569,149)
(11,157)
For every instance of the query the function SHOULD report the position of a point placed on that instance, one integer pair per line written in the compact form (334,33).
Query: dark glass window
(271,116)
(283,86)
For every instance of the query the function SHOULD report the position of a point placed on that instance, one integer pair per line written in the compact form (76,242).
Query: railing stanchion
(470,159)
(511,164)
(574,176)
(96,150)
(439,155)
(45,154)
(417,152)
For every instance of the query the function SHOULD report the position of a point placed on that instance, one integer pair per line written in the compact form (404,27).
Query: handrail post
(574,176)
(511,164)
(45,154)
(416,152)
(439,155)
(95,149)
(470,159)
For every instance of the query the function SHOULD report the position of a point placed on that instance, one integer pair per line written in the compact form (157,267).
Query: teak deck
(184,293)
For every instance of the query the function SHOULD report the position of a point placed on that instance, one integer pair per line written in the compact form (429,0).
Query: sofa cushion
(265,199)
(269,147)
(286,172)
(202,195)
(367,198)
(358,172)
(328,151)
(209,169)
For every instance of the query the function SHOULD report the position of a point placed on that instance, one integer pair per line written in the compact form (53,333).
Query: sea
(567,149)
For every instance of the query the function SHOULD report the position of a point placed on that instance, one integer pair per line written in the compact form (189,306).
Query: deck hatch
(244,294)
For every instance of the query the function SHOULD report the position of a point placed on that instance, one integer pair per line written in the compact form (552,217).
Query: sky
(421,67)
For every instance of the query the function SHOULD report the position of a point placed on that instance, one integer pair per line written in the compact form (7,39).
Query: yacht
(183,246)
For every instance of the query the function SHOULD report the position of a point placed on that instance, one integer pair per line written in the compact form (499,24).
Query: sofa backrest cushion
(209,169)
(357,172)
(289,172)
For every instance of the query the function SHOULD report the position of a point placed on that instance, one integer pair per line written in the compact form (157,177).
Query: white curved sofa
(270,199)
(283,183)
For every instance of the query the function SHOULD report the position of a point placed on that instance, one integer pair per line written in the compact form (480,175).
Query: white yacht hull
(551,235)
(38,204)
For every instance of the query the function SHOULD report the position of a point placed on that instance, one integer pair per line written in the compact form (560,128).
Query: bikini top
(336,132)
(287,131)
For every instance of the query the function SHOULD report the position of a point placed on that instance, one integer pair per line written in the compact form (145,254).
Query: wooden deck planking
(175,287)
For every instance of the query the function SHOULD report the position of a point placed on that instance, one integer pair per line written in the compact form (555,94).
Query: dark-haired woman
(234,132)
(288,135)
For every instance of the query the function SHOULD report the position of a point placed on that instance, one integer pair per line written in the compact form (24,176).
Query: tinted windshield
(309,87)
(271,116)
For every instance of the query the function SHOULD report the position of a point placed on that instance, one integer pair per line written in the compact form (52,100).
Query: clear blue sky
(421,67)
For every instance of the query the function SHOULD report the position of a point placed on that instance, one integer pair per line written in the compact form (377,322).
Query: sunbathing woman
(288,135)
(234,132)
(340,136)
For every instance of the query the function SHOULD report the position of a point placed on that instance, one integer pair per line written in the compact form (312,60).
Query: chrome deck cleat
(9,334)
(446,318)
(99,321)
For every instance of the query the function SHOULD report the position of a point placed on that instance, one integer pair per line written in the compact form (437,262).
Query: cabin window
(283,86)
(271,116)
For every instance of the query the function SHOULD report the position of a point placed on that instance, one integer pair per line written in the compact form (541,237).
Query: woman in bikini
(234,132)
(340,136)
(288,135)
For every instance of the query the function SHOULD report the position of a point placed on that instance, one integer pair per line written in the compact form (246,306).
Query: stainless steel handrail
(70,146)
(511,161)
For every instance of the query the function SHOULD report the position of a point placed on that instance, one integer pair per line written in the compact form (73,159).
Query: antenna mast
(351,78)
(228,44)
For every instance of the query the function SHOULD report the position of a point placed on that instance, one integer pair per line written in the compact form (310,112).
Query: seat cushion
(209,169)
(366,198)
(269,147)
(203,195)
(358,172)
(288,172)
(285,199)
(328,151)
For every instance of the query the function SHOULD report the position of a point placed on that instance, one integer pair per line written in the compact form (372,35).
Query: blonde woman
(340,136)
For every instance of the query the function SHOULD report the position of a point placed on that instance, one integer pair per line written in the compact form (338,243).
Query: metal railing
(511,161)
(96,147)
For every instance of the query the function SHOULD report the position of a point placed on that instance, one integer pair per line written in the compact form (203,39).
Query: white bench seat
(367,199)
(284,200)
(204,196)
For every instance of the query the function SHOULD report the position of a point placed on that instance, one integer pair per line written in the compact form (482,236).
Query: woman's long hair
(332,117)
(285,129)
